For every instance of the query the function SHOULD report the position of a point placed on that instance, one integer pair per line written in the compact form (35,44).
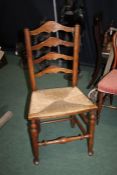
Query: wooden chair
(108,84)
(101,59)
(57,104)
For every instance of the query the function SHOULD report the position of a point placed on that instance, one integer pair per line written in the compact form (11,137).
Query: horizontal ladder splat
(52,42)
(52,56)
(53,69)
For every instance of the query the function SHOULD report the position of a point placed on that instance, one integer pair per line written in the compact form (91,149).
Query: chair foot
(36,162)
(90,153)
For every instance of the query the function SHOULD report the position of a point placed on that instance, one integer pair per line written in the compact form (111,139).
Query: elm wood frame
(34,122)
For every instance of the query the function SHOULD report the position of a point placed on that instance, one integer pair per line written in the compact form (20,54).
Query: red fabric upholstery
(109,83)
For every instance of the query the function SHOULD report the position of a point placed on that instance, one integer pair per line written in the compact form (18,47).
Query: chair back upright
(98,35)
(50,42)
(114,66)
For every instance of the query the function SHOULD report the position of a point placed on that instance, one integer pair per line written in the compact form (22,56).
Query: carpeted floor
(67,159)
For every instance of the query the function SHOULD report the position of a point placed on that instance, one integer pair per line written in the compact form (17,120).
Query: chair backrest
(98,33)
(50,42)
(115,50)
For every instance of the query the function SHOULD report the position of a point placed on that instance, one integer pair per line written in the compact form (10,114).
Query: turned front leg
(34,133)
(92,122)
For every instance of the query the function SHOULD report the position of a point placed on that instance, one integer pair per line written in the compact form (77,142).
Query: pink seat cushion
(109,83)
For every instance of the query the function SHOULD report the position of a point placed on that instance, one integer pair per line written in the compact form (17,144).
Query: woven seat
(62,103)
(108,84)
(58,102)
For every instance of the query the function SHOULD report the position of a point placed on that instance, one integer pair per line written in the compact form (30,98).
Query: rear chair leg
(92,122)
(111,99)
(99,104)
(72,121)
(34,133)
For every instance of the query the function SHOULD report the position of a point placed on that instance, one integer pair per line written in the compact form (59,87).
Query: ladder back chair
(108,84)
(98,41)
(61,103)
